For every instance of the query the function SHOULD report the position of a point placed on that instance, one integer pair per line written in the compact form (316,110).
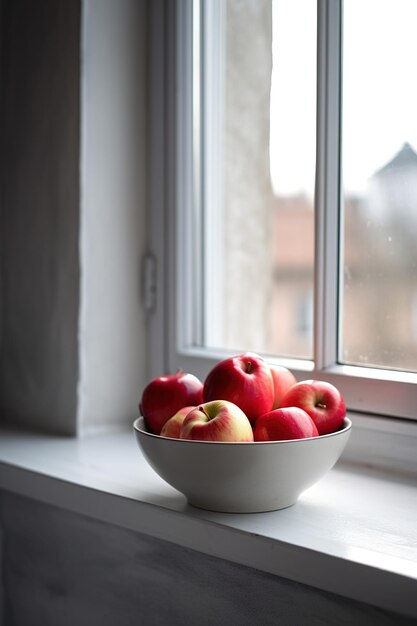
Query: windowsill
(353,533)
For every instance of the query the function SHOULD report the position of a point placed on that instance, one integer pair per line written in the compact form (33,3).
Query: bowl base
(227,508)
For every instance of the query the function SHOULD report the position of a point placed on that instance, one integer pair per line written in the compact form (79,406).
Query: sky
(379,87)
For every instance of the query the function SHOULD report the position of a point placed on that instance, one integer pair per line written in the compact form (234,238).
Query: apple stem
(320,405)
(203,410)
(248,367)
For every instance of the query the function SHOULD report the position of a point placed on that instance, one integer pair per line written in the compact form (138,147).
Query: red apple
(245,380)
(165,395)
(283,380)
(172,427)
(321,400)
(218,420)
(283,424)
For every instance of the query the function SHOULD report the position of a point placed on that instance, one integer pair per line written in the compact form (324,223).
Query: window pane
(259,134)
(379,291)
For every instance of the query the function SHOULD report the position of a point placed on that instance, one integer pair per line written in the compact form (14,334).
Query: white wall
(73,226)
(112,215)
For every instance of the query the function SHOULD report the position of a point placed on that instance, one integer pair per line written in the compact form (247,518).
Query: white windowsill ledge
(353,533)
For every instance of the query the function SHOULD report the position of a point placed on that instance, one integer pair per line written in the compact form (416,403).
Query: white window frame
(370,392)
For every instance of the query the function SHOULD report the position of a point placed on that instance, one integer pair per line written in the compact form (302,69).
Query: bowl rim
(346,426)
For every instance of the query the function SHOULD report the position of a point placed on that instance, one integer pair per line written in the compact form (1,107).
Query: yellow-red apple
(172,427)
(219,420)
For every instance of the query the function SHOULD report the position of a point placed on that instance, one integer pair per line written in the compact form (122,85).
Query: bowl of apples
(248,439)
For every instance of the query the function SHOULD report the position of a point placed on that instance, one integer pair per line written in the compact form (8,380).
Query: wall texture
(40,117)
(62,569)
(112,329)
(73,178)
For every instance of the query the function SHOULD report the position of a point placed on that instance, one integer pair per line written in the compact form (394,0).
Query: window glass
(258,86)
(379,160)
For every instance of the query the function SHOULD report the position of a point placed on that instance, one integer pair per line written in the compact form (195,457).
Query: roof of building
(405,157)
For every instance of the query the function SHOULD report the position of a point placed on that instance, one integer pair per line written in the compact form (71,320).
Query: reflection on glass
(264,283)
(379,286)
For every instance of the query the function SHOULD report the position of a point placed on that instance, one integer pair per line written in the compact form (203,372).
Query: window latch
(149,282)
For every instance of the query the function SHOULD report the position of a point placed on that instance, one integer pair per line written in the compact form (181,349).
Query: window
(261,239)
(379,152)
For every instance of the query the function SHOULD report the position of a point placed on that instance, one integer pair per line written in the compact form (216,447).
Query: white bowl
(242,477)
